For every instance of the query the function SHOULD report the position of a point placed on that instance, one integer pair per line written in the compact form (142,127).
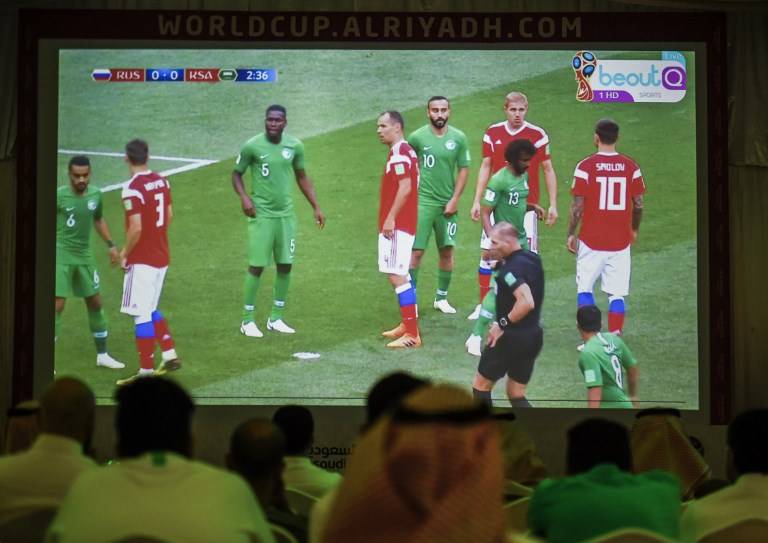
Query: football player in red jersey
(398,213)
(607,191)
(145,258)
(495,141)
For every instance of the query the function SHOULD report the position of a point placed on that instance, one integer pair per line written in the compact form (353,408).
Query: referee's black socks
(482,395)
(520,402)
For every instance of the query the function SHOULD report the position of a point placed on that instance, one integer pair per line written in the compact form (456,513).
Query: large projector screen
(198,103)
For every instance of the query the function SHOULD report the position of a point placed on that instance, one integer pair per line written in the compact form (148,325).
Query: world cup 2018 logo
(584,64)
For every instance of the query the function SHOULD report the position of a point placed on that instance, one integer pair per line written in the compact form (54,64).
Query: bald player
(515,339)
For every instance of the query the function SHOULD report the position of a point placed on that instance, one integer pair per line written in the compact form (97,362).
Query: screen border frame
(144,25)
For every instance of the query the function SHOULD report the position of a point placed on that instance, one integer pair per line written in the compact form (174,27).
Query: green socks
(282,281)
(414,272)
(98,325)
(443,282)
(487,314)
(249,296)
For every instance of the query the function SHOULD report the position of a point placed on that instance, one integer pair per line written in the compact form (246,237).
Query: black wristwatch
(503,323)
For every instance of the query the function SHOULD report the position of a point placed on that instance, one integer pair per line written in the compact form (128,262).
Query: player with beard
(495,141)
(78,210)
(443,164)
(507,199)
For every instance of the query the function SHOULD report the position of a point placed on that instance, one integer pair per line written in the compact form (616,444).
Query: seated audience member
(21,426)
(601,494)
(659,442)
(256,453)
(708,487)
(384,396)
(155,490)
(747,497)
(300,473)
(387,393)
(40,477)
(522,464)
(429,472)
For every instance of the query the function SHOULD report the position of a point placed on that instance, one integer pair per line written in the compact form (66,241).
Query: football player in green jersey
(506,196)
(275,159)
(604,361)
(78,209)
(443,167)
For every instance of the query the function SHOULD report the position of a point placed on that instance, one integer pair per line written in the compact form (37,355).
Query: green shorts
(432,217)
(79,280)
(269,236)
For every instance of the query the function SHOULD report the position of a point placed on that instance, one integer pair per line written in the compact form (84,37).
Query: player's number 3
(160,209)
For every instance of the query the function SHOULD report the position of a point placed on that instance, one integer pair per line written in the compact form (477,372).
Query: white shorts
(612,267)
(530,223)
(142,286)
(485,241)
(395,253)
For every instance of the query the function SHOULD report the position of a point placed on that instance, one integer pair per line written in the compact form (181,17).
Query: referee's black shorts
(514,355)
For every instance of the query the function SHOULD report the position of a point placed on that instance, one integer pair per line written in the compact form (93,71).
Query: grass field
(338,302)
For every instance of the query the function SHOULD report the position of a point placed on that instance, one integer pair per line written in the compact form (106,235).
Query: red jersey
(499,135)
(607,181)
(401,162)
(149,195)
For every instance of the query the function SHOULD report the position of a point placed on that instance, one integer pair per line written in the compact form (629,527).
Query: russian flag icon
(101,74)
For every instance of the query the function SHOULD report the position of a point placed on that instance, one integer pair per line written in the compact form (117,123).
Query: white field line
(194,163)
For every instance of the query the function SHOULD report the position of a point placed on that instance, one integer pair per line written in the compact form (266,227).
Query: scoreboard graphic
(180,75)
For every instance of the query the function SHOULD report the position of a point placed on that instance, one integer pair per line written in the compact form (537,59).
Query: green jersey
(439,158)
(75,214)
(273,167)
(507,195)
(604,362)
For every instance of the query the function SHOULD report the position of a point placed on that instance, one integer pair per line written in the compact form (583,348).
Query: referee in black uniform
(515,339)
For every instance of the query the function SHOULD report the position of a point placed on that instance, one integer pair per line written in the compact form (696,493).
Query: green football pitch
(338,302)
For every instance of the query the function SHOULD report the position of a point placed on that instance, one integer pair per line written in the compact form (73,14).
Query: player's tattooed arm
(574,218)
(637,214)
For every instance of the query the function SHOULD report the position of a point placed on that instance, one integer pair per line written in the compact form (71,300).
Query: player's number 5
(265,170)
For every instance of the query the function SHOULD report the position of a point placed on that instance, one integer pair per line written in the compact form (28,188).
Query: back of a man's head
(387,393)
(153,414)
(298,427)
(67,409)
(598,441)
(748,441)
(256,450)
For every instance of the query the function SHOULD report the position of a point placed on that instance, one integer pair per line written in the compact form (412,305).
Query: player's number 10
(609,186)
(429,161)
